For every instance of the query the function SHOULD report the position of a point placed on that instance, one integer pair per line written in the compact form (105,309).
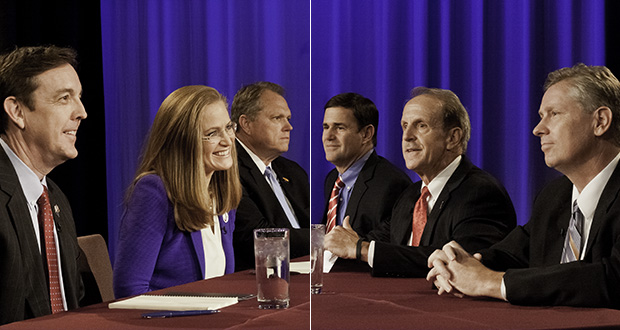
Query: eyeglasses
(217,135)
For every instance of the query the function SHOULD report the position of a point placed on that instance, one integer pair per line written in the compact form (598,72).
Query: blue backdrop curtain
(151,48)
(494,55)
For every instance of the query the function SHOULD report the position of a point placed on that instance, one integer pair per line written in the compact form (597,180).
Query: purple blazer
(152,253)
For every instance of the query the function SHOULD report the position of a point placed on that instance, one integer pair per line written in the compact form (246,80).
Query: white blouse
(215,259)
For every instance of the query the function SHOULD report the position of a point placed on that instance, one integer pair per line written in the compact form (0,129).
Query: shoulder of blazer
(284,165)
(330,179)
(461,172)
(8,177)
(243,157)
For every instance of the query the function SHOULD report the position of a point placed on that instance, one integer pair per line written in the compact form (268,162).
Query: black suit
(532,253)
(377,187)
(23,280)
(259,207)
(473,209)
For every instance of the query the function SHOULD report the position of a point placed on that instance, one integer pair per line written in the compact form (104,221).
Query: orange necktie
(419,216)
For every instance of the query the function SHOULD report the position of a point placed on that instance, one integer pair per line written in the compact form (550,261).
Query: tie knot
(339,183)
(425,193)
(44,198)
(268,171)
(575,207)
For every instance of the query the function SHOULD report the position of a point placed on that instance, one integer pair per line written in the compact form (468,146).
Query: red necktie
(332,211)
(419,216)
(46,221)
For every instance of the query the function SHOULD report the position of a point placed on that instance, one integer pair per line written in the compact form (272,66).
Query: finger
(438,254)
(440,290)
(432,274)
(449,252)
(345,223)
(455,245)
(444,284)
(440,268)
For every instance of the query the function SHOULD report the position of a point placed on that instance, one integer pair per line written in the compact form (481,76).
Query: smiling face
(425,141)
(565,130)
(49,130)
(217,126)
(343,141)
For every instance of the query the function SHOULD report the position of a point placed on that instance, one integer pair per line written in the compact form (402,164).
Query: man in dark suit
(42,110)
(567,254)
(276,191)
(454,199)
(349,137)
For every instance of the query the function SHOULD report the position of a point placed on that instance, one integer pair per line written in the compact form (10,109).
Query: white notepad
(301,267)
(173,303)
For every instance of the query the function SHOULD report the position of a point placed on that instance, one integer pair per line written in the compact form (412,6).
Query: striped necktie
(332,211)
(573,241)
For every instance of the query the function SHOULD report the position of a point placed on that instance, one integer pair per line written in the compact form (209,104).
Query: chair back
(98,264)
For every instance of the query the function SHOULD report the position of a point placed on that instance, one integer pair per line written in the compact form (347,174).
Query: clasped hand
(454,270)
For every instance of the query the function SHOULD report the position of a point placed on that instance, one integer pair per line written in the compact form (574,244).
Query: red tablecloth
(350,300)
(244,315)
(359,301)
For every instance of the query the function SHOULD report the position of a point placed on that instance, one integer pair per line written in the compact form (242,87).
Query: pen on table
(164,314)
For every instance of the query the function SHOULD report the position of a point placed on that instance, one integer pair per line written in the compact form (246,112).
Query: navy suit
(531,253)
(473,209)
(377,187)
(23,286)
(259,207)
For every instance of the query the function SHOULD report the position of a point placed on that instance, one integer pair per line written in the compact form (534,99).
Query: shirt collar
(350,175)
(436,185)
(31,186)
(259,163)
(591,193)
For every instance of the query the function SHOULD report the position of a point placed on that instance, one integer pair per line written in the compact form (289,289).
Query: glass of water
(317,235)
(271,252)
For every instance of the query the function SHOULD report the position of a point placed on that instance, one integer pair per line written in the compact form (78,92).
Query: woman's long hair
(174,151)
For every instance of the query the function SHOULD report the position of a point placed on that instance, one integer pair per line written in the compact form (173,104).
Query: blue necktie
(275,185)
(573,241)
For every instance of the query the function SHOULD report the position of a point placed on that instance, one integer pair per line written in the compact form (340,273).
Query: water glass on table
(271,252)
(317,235)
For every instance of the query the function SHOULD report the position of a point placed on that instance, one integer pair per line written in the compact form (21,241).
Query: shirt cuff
(503,289)
(371,253)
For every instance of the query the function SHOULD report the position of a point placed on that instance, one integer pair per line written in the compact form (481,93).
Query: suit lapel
(249,171)
(455,180)
(402,231)
(608,197)
(199,249)
(330,180)
(563,213)
(246,164)
(20,219)
(290,190)
(361,185)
